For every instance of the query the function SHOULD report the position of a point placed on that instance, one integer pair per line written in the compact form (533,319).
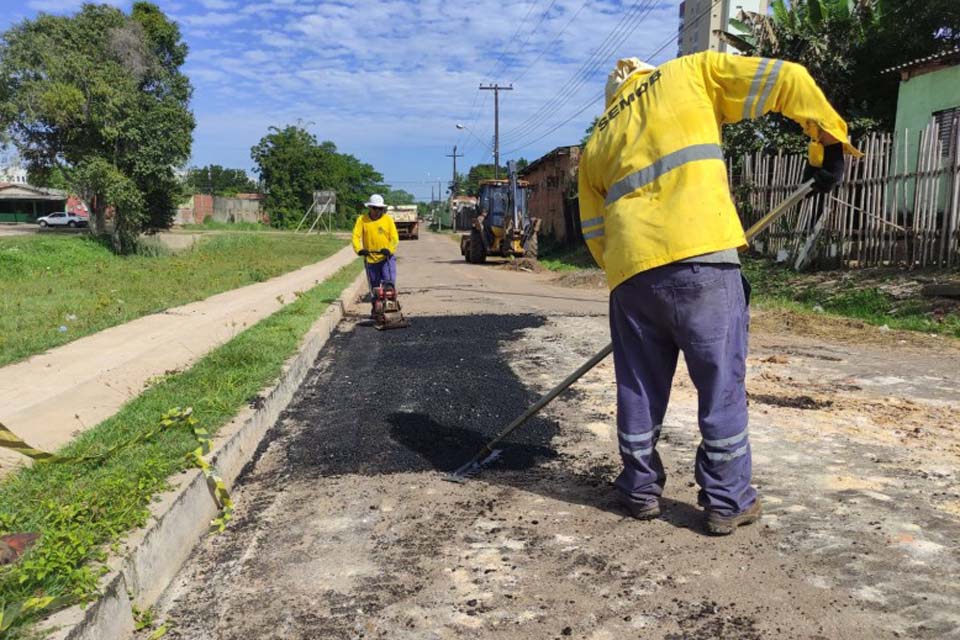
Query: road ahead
(344,528)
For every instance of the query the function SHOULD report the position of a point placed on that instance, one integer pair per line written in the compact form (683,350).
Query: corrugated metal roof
(12,191)
(536,163)
(938,56)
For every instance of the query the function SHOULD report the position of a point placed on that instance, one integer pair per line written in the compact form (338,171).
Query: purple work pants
(383,271)
(699,309)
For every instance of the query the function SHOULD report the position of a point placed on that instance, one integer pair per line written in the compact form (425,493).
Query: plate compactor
(386,308)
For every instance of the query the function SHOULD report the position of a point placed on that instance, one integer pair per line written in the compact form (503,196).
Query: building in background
(552,194)
(700,20)
(23,203)
(12,170)
(929,99)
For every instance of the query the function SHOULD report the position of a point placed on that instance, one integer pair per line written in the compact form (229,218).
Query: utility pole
(496,123)
(453,185)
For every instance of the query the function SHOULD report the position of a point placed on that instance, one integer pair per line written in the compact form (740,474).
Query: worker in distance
(375,238)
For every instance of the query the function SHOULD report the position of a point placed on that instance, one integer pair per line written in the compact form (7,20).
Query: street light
(463,127)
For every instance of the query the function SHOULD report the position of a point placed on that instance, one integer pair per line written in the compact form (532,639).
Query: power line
(627,23)
(503,52)
(543,17)
(496,123)
(600,97)
(633,18)
(475,112)
(528,66)
(589,65)
(589,104)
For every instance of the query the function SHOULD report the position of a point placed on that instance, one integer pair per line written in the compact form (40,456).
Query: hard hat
(376,201)
(625,68)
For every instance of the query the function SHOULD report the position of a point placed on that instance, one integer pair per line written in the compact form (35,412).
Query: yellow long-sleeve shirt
(653,183)
(374,235)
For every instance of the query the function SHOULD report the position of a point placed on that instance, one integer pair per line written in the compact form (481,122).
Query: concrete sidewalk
(50,398)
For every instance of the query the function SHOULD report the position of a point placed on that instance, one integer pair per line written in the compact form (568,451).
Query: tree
(218,181)
(398,197)
(100,96)
(846,45)
(478,172)
(589,131)
(292,165)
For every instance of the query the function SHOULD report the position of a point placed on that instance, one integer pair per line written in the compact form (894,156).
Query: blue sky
(388,80)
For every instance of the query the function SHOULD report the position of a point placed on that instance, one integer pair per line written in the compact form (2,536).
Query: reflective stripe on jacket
(653,183)
(374,235)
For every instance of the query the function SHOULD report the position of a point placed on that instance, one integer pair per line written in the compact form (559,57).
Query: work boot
(640,510)
(721,525)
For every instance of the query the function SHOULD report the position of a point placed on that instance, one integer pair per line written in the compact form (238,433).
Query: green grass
(212,225)
(80,509)
(563,258)
(851,294)
(859,295)
(57,289)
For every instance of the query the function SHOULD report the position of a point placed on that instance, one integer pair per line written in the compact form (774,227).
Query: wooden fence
(883,213)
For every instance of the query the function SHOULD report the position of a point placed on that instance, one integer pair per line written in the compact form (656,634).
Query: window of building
(948,122)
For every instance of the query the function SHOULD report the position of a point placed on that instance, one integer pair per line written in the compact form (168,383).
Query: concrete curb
(152,556)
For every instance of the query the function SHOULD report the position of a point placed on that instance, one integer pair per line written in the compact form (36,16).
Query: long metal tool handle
(802,192)
(547,398)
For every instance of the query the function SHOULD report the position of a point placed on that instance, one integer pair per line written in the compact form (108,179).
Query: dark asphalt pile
(417,399)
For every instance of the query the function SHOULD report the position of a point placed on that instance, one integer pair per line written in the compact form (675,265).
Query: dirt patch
(178,241)
(583,279)
(842,330)
(792,402)
(523,264)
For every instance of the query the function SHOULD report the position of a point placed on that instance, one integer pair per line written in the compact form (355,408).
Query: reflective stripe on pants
(699,309)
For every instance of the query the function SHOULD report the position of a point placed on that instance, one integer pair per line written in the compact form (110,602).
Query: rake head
(472,468)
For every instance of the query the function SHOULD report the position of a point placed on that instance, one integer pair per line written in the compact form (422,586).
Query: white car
(62,219)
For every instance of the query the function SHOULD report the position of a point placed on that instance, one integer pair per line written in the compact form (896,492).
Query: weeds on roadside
(81,510)
(57,289)
(855,298)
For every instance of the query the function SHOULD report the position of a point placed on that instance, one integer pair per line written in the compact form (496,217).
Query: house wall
(553,185)
(219,209)
(919,98)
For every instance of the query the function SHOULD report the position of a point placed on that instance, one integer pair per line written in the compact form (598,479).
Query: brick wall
(552,194)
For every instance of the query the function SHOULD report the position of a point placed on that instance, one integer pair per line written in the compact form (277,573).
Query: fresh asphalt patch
(419,399)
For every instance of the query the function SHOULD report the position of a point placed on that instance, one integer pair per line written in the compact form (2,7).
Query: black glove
(828,176)
(363,252)
(385,252)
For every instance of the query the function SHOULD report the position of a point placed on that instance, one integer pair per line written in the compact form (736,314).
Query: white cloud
(211,19)
(383,76)
(208,75)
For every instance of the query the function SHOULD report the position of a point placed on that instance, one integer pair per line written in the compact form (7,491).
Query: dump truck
(407,221)
(502,226)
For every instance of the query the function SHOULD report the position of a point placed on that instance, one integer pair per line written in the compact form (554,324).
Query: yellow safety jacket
(653,182)
(374,235)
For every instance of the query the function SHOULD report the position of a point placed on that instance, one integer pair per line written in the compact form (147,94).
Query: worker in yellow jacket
(658,217)
(375,238)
